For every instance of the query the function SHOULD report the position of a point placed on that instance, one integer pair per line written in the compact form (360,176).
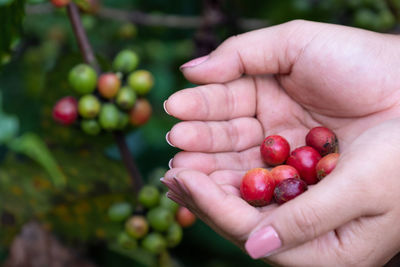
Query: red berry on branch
(141,112)
(108,85)
(185,217)
(65,111)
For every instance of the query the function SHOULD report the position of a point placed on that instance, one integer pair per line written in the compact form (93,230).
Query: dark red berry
(326,165)
(304,159)
(289,189)
(275,150)
(323,140)
(257,187)
(65,111)
(141,112)
(282,172)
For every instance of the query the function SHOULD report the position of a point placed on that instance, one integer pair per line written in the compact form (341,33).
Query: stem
(89,57)
(155,20)
(80,34)
(128,161)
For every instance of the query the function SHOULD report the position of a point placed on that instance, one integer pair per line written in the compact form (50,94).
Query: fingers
(314,213)
(214,101)
(271,50)
(234,135)
(224,210)
(210,162)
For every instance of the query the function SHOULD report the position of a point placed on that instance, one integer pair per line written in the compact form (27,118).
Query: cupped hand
(285,80)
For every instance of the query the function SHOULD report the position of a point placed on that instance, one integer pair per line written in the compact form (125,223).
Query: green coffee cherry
(119,211)
(109,117)
(126,241)
(155,243)
(174,235)
(126,98)
(160,218)
(83,79)
(126,61)
(149,196)
(90,126)
(89,106)
(141,81)
(168,204)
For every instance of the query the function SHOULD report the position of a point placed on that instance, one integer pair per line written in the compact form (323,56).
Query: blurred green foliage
(35,77)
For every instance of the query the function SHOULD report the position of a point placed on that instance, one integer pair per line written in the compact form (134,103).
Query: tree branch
(156,20)
(89,57)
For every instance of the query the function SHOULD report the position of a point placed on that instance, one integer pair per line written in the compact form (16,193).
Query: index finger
(214,101)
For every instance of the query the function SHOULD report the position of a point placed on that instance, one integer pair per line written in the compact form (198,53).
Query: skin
(293,77)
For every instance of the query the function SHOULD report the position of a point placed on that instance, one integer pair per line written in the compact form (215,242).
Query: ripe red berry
(289,189)
(323,140)
(257,187)
(304,159)
(275,150)
(326,165)
(141,112)
(282,172)
(108,85)
(65,111)
(185,217)
(60,3)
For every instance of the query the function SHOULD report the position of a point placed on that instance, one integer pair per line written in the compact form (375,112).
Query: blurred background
(58,184)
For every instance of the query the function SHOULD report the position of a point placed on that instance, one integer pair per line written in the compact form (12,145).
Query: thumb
(271,50)
(326,206)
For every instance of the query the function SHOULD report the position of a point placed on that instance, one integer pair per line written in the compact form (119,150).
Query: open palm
(313,78)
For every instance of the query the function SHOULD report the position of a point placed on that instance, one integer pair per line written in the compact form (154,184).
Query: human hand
(309,75)
(350,218)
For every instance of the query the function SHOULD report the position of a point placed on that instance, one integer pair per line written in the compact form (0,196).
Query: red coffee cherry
(275,150)
(305,159)
(257,187)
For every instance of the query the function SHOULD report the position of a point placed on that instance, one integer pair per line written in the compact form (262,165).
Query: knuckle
(305,223)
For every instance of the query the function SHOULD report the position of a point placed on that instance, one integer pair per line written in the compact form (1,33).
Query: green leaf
(34,147)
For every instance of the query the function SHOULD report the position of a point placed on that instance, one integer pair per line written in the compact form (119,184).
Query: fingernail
(181,186)
(171,185)
(165,107)
(175,198)
(263,242)
(170,163)
(167,138)
(194,62)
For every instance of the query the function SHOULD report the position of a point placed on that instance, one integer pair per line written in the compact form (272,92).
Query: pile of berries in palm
(155,228)
(111,101)
(293,170)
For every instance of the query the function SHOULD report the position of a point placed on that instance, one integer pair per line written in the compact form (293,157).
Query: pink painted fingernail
(170,163)
(170,184)
(165,107)
(263,242)
(175,198)
(182,186)
(167,139)
(194,62)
